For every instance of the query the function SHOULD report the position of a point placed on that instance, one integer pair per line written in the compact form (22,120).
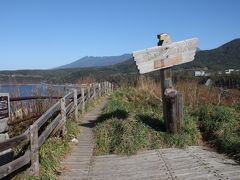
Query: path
(77,164)
(193,163)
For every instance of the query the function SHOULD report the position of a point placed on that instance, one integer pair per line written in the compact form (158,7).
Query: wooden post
(170,110)
(99,89)
(180,112)
(34,156)
(166,82)
(107,86)
(89,91)
(104,87)
(112,88)
(64,117)
(83,99)
(172,102)
(75,105)
(94,91)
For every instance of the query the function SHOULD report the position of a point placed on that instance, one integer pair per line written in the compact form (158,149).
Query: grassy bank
(132,121)
(220,128)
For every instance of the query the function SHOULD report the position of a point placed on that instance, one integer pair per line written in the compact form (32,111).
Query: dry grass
(24,113)
(194,94)
(86,80)
(148,85)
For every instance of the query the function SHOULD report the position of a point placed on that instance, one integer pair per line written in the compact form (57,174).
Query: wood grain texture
(47,114)
(34,156)
(75,105)
(169,55)
(13,142)
(83,99)
(43,137)
(14,165)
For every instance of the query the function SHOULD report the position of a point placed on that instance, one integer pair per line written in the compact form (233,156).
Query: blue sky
(49,33)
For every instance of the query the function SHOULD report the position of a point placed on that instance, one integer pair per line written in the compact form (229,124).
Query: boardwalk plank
(193,163)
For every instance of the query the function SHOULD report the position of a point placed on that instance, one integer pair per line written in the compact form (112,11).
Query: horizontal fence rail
(49,123)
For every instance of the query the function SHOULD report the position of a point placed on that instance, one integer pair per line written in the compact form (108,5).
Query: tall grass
(194,94)
(132,121)
(51,153)
(24,113)
(220,127)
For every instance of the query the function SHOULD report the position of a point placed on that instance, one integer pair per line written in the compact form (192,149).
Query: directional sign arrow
(160,57)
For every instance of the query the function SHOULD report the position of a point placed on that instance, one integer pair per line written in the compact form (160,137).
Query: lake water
(29,89)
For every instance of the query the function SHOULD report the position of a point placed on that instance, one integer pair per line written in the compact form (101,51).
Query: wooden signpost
(163,57)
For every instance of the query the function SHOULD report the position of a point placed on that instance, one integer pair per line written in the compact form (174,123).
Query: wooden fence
(50,122)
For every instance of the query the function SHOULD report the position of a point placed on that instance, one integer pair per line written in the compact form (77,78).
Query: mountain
(224,57)
(91,61)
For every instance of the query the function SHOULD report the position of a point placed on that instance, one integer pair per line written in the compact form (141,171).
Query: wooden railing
(50,122)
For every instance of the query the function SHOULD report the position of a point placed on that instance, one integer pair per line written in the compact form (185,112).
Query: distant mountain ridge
(91,61)
(224,57)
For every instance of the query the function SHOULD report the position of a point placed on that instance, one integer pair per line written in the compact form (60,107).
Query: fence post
(99,89)
(83,99)
(105,87)
(34,157)
(75,105)
(94,91)
(89,91)
(110,87)
(63,113)
(179,109)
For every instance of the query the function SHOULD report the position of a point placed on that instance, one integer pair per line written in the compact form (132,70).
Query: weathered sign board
(4,111)
(163,57)
(160,57)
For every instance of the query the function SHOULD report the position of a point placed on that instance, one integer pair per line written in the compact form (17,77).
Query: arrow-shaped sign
(160,57)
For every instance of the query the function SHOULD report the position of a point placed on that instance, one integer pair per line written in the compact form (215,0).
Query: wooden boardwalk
(193,163)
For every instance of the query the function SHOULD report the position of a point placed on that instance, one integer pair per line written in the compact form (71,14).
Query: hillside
(68,75)
(224,57)
(91,61)
(227,54)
